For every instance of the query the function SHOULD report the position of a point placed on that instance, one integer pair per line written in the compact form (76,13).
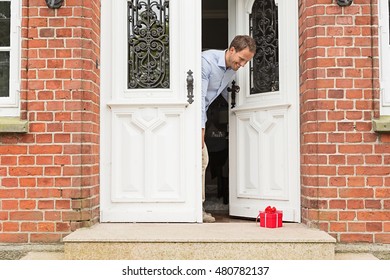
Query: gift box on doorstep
(270,217)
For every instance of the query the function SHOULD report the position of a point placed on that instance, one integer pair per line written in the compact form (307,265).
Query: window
(384,39)
(9,57)
(148,44)
(263,24)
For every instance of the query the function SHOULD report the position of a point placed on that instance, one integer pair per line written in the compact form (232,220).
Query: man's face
(235,60)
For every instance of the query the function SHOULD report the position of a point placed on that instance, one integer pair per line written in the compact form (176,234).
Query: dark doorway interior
(215,36)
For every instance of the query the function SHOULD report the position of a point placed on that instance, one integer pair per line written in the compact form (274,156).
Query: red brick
(45,237)
(13,237)
(26,215)
(46,227)
(382,193)
(46,32)
(44,138)
(43,193)
(356,227)
(355,204)
(45,53)
(45,182)
(338,227)
(12,193)
(25,171)
(382,238)
(52,171)
(62,204)
(56,22)
(27,204)
(63,182)
(374,227)
(44,160)
(353,238)
(29,227)
(37,127)
(337,204)
(10,226)
(368,170)
(13,149)
(46,204)
(53,216)
(45,149)
(63,227)
(9,205)
(356,192)
(26,160)
(374,216)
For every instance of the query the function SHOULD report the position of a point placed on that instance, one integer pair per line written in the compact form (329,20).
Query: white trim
(10,106)
(384,55)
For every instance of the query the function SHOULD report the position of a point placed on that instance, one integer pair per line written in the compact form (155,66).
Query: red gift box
(270,217)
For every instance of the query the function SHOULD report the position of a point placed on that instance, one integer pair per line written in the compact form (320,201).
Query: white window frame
(10,106)
(384,54)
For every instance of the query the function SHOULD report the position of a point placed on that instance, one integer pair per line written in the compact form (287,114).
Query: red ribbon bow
(270,210)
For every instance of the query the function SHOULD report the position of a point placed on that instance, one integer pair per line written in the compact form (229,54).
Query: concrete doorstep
(217,241)
(178,241)
(61,256)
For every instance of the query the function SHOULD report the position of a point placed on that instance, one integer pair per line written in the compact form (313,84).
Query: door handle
(234,89)
(190,87)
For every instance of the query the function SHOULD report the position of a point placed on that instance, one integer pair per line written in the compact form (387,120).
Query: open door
(150,122)
(264,124)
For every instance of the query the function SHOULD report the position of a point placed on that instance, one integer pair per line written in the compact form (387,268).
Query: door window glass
(5,19)
(264,70)
(148,44)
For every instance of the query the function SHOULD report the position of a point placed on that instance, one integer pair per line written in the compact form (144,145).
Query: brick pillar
(49,182)
(344,163)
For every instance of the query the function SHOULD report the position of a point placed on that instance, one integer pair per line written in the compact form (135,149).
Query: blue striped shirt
(215,79)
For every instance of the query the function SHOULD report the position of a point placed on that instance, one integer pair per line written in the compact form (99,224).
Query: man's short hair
(241,42)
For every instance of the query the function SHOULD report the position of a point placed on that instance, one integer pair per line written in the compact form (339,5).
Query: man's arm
(206,70)
(224,93)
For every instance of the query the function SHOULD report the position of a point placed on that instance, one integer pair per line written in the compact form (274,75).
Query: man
(218,70)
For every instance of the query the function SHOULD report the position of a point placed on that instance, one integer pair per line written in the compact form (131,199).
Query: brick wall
(49,177)
(344,164)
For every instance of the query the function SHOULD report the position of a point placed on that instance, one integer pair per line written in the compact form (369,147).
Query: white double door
(150,136)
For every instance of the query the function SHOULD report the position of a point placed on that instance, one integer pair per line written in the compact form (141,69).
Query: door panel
(152,173)
(264,125)
(262,136)
(150,169)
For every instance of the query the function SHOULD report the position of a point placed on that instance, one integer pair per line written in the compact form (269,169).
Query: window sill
(13,125)
(381,125)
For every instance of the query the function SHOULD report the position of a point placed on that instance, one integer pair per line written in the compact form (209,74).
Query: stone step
(61,256)
(217,241)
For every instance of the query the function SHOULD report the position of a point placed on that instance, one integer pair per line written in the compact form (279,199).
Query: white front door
(150,144)
(264,124)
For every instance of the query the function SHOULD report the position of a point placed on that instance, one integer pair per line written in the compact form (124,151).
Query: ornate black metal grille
(264,68)
(148,44)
